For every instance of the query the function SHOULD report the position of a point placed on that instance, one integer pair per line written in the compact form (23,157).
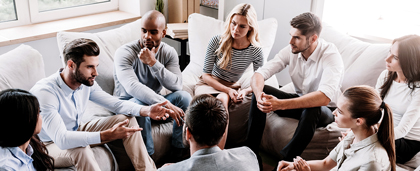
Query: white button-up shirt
(323,71)
(365,155)
(62,109)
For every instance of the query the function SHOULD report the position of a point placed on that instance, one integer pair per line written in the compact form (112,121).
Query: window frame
(37,17)
(22,15)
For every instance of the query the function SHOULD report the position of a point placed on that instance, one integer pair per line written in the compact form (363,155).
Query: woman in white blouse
(399,86)
(365,147)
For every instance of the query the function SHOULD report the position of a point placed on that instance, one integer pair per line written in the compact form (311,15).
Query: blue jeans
(180,99)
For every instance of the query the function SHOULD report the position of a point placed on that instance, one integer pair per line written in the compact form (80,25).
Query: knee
(312,113)
(131,120)
(183,97)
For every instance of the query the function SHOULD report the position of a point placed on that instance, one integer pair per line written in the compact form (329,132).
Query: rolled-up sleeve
(332,75)
(277,64)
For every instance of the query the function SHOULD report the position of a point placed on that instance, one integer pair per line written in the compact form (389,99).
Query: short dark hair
(308,24)
(206,119)
(19,113)
(78,48)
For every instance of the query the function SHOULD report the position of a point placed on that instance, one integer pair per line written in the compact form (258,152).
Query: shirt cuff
(93,137)
(156,67)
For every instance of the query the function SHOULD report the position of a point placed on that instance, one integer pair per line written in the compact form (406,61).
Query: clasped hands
(267,103)
(298,164)
(238,96)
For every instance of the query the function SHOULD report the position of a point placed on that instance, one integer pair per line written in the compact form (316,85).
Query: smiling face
(239,27)
(342,114)
(86,72)
(152,32)
(392,61)
(298,42)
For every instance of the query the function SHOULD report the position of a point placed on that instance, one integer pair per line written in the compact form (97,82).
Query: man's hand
(177,114)
(148,56)
(276,104)
(285,166)
(119,131)
(300,164)
(262,103)
(158,111)
(166,164)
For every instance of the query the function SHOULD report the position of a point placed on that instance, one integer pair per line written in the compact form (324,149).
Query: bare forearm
(209,80)
(106,135)
(257,83)
(314,99)
(326,164)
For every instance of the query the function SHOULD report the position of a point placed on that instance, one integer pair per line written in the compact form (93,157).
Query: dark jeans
(309,120)
(406,149)
(180,99)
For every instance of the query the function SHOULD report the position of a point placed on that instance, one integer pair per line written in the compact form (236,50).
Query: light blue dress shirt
(14,159)
(62,109)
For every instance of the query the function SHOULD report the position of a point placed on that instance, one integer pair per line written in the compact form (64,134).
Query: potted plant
(159,6)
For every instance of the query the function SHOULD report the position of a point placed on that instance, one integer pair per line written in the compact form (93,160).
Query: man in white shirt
(63,98)
(316,69)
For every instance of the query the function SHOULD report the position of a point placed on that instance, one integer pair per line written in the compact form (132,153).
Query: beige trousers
(82,157)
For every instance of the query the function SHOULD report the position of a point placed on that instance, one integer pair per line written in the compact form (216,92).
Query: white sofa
(363,63)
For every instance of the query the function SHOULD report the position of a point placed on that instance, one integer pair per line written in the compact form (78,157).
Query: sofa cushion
(108,41)
(21,68)
(199,36)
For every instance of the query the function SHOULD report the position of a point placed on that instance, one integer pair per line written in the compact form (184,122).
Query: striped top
(241,59)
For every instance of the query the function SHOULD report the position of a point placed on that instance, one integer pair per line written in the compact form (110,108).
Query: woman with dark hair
(399,86)
(366,147)
(20,147)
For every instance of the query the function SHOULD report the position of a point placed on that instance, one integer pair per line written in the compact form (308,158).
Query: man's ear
(163,33)
(70,64)
(188,134)
(314,37)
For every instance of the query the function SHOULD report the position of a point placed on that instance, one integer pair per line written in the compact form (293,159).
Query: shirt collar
(60,82)
(22,156)
(314,56)
(204,151)
(352,148)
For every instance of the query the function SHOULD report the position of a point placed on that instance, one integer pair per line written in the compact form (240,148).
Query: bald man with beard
(142,68)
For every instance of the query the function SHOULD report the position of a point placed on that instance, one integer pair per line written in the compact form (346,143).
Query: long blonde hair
(225,44)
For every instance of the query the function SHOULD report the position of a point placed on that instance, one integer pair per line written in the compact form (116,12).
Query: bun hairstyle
(366,103)
(19,113)
(225,47)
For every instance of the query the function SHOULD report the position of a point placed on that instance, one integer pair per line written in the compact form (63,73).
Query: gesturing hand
(177,114)
(119,131)
(285,166)
(158,112)
(148,56)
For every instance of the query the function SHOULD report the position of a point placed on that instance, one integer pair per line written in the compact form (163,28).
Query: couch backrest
(202,28)
(21,68)
(108,41)
(363,62)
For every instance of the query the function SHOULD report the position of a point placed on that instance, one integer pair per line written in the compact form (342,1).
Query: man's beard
(306,48)
(81,79)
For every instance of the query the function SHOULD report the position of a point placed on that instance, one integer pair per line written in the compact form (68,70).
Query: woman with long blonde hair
(229,55)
